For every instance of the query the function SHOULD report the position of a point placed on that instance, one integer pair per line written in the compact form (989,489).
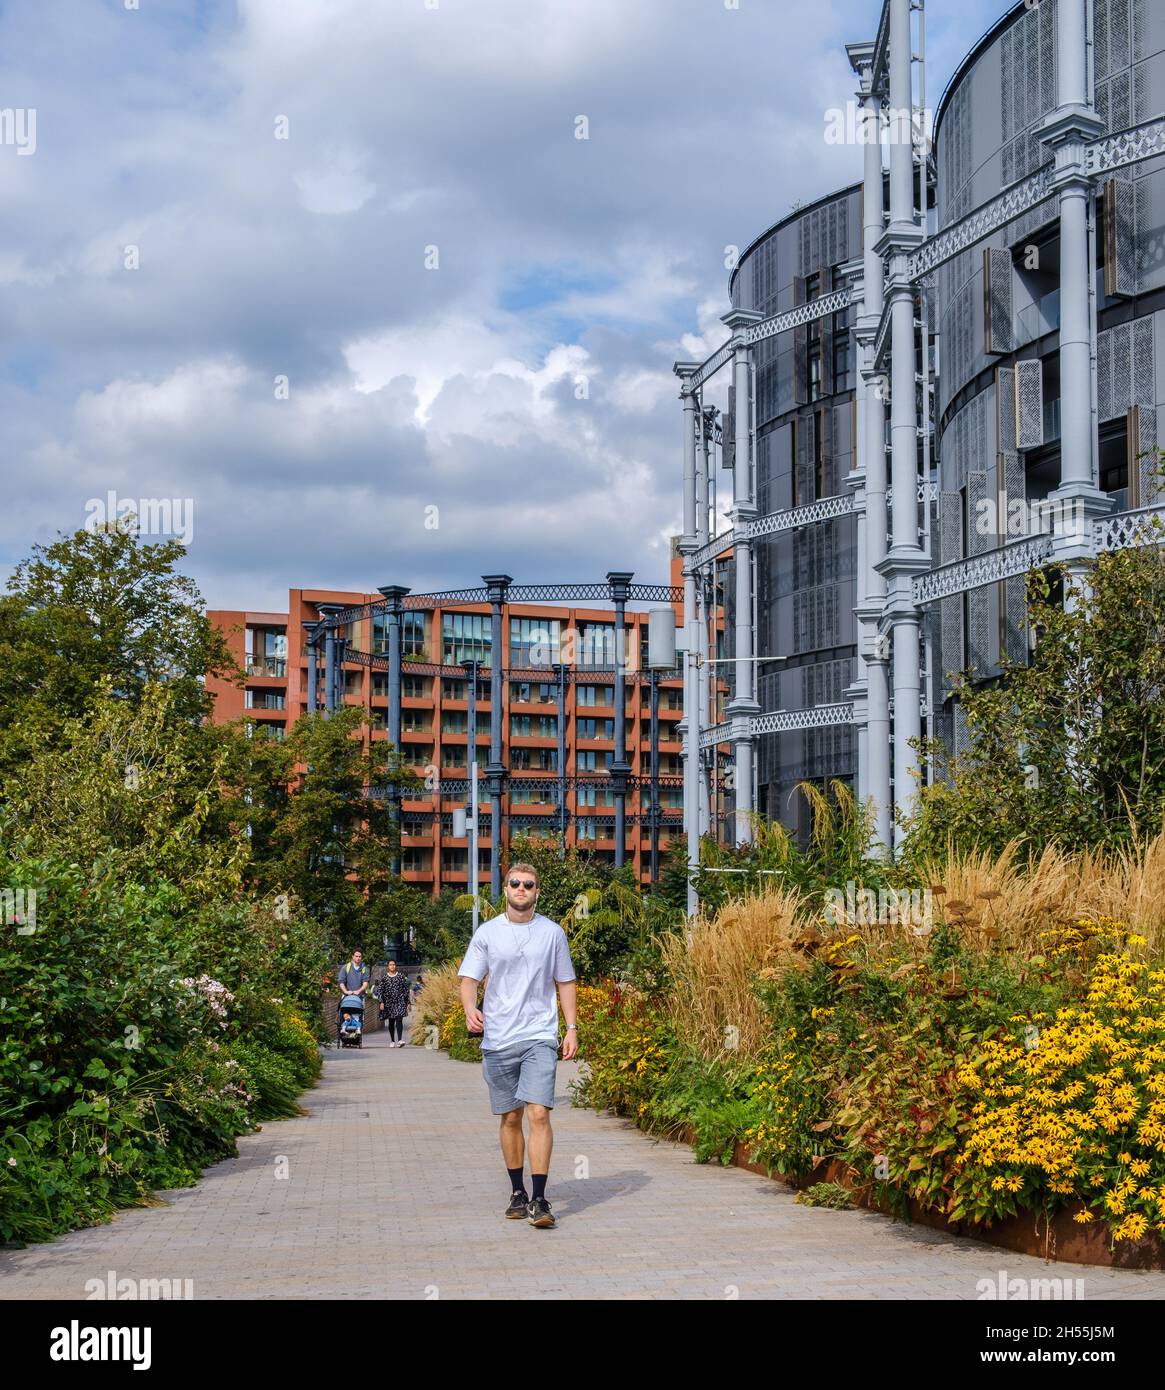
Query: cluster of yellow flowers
(591,1000)
(449,1024)
(773,1075)
(650,1051)
(1070,1101)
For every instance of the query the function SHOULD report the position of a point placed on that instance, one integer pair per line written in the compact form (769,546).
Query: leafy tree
(1071,747)
(100,604)
(443,925)
(326,838)
(127,791)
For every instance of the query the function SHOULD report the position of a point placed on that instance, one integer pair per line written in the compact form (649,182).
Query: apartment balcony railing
(266,666)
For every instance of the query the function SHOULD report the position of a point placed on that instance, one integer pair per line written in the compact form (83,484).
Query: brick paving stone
(405,1135)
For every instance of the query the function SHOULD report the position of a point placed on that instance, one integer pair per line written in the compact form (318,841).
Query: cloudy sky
(342,273)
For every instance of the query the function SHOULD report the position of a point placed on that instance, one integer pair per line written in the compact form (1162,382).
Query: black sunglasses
(521,883)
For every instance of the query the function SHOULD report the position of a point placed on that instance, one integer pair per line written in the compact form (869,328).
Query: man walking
(353,979)
(525,956)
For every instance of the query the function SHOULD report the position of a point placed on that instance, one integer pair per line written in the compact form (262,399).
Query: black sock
(538,1183)
(516,1179)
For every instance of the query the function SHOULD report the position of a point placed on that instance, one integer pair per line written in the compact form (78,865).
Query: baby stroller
(351,1029)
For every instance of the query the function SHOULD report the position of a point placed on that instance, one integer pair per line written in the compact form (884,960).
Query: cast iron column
(653,677)
(691,721)
(743,705)
(312,664)
(620,582)
(905,558)
(1070,126)
(327,613)
(706,420)
(471,755)
(871,444)
(560,675)
(393,596)
(495,771)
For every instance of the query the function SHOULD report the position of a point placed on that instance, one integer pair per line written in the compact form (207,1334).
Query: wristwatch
(571,1026)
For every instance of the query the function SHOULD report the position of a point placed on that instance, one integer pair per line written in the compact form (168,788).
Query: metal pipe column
(329,670)
(905,558)
(471,763)
(393,597)
(704,419)
(743,706)
(495,770)
(560,672)
(873,444)
(691,720)
(312,666)
(653,677)
(620,582)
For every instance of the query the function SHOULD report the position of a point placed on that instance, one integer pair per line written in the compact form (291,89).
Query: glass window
(596,647)
(467,637)
(840,355)
(534,641)
(536,725)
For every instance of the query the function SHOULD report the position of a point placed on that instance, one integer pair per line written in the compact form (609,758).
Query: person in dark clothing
(352,979)
(392,989)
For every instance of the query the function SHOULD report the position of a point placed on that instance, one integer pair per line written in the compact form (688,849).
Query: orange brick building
(272,648)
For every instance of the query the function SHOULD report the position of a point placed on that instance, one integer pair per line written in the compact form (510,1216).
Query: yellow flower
(1131,1228)
(1082,1217)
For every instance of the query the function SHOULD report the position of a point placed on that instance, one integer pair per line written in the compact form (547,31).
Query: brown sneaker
(539,1214)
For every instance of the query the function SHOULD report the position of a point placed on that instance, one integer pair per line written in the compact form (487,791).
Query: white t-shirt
(523,961)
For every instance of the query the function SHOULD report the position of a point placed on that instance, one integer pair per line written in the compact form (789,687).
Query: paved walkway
(395,1189)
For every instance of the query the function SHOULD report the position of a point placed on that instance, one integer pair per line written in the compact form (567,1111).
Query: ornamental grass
(440,993)
(713,968)
(1017,901)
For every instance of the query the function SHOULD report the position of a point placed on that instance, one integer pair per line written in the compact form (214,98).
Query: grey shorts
(520,1075)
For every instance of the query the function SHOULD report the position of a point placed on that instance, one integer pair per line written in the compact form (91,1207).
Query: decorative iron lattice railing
(1004,562)
(1142,526)
(767,328)
(517,593)
(946,245)
(816,717)
(1126,146)
(808,312)
(789,520)
(782,722)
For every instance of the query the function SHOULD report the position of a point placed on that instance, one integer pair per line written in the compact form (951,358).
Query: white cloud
(335,186)
(407,126)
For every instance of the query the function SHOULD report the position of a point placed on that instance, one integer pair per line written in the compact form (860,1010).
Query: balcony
(264,699)
(1038,318)
(266,666)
